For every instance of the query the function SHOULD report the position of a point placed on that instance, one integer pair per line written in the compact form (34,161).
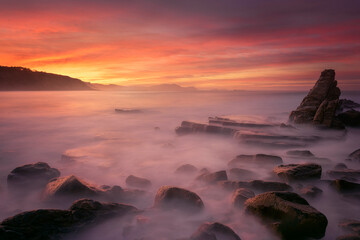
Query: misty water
(109,146)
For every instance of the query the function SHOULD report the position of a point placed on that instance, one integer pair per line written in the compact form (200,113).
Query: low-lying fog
(109,146)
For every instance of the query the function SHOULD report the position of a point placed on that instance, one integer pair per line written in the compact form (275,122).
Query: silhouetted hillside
(24,79)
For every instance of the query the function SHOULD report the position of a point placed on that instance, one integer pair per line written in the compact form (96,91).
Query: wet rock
(186,169)
(320,104)
(350,118)
(300,153)
(54,224)
(32,176)
(344,186)
(289,214)
(240,174)
(212,178)
(297,172)
(214,231)
(137,182)
(355,156)
(168,197)
(257,159)
(344,173)
(311,191)
(240,195)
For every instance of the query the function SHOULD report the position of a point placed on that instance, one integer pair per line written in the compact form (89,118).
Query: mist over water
(109,146)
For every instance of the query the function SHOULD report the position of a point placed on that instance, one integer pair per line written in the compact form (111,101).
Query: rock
(289,214)
(137,182)
(214,231)
(320,104)
(300,153)
(355,156)
(32,176)
(351,225)
(186,169)
(212,178)
(71,188)
(257,159)
(257,185)
(311,191)
(54,224)
(344,173)
(240,195)
(350,118)
(347,104)
(345,186)
(168,197)
(240,174)
(297,172)
(340,166)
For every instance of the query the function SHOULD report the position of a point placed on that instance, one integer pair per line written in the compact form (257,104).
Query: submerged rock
(296,172)
(344,186)
(240,195)
(257,185)
(32,176)
(355,156)
(320,104)
(214,231)
(344,173)
(311,191)
(137,182)
(54,224)
(168,197)
(255,159)
(186,169)
(289,214)
(240,174)
(300,153)
(350,118)
(347,104)
(214,177)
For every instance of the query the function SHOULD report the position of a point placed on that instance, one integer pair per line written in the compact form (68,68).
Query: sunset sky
(224,44)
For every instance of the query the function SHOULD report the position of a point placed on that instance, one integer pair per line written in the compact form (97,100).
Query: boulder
(320,104)
(240,195)
(350,118)
(214,177)
(32,176)
(214,231)
(240,174)
(353,227)
(137,182)
(255,159)
(311,191)
(53,224)
(344,186)
(289,214)
(347,104)
(186,169)
(344,173)
(300,153)
(297,172)
(168,197)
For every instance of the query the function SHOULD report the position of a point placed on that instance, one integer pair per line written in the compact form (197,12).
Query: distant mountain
(156,88)
(24,79)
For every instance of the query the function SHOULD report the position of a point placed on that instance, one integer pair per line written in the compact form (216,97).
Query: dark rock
(257,159)
(32,176)
(137,182)
(355,156)
(300,153)
(351,236)
(240,174)
(350,118)
(311,191)
(212,178)
(344,173)
(257,185)
(297,172)
(347,104)
(351,225)
(345,186)
(289,214)
(215,230)
(168,197)
(186,169)
(240,195)
(340,166)
(320,104)
(53,224)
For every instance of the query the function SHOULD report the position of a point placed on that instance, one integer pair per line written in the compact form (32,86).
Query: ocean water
(109,146)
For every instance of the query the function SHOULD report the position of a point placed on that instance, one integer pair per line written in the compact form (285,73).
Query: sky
(209,44)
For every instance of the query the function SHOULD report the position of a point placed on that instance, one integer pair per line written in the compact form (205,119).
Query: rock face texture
(168,197)
(320,104)
(240,195)
(298,172)
(52,224)
(214,231)
(289,214)
(32,176)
